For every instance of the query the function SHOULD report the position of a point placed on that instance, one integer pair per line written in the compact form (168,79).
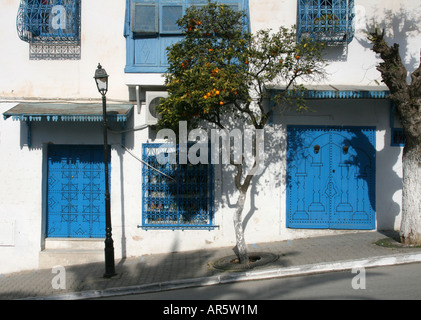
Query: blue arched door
(331,177)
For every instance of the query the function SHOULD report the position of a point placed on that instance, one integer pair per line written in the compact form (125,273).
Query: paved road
(395,282)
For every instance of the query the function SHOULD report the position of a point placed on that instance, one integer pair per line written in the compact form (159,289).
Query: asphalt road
(394,282)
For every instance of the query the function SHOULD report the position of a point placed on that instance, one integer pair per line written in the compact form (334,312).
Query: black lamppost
(101,79)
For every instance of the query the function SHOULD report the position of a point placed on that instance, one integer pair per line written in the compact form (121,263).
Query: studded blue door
(331,177)
(75,192)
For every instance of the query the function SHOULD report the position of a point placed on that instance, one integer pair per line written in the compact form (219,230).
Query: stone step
(64,257)
(84,244)
(67,252)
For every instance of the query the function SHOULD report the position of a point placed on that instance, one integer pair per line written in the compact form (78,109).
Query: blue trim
(36,112)
(28,134)
(65,118)
(340,94)
(397,138)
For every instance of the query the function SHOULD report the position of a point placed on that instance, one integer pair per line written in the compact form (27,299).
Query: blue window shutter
(147,52)
(145,18)
(234,5)
(166,42)
(150,27)
(169,16)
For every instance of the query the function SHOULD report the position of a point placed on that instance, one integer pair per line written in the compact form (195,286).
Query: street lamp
(101,79)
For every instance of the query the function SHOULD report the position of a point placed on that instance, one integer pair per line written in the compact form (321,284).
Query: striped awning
(70,112)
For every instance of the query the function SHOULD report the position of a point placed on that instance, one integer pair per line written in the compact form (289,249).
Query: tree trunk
(407,99)
(410,231)
(241,247)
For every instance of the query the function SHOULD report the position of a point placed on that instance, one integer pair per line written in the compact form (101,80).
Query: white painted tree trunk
(410,231)
(241,247)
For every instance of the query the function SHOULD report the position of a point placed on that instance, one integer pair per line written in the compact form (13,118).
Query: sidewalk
(151,273)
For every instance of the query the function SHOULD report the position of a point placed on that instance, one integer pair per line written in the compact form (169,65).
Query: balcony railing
(329,21)
(42,21)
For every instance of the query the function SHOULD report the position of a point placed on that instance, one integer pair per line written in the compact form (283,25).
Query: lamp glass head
(101,79)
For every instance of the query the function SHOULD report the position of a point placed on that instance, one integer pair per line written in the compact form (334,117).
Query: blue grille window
(51,27)
(330,21)
(151,27)
(175,196)
(398,138)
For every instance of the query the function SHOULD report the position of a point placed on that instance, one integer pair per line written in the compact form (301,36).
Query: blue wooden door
(75,192)
(331,177)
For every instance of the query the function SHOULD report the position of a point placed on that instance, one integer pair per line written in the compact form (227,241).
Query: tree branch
(415,87)
(392,69)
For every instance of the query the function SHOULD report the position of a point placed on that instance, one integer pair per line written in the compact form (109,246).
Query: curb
(240,276)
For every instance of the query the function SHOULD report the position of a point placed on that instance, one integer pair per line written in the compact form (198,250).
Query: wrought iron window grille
(175,196)
(51,27)
(328,21)
(398,138)
(54,51)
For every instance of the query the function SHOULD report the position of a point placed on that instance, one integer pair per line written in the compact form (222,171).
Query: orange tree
(218,74)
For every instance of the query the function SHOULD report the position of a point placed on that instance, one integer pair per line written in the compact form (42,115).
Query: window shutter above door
(170,15)
(145,18)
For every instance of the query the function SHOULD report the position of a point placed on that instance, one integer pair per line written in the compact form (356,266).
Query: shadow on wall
(401,27)
(387,182)
(268,181)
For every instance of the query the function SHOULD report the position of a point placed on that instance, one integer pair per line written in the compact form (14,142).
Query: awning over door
(68,112)
(336,92)
(76,112)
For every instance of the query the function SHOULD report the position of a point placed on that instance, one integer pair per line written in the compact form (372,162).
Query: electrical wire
(147,164)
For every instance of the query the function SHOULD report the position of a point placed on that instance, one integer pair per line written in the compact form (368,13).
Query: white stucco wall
(102,42)
(23,191)
(265,211)
(355,64)
(23,199)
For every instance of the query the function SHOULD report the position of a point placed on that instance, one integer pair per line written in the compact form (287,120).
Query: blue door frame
(75,191)
(331,177)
